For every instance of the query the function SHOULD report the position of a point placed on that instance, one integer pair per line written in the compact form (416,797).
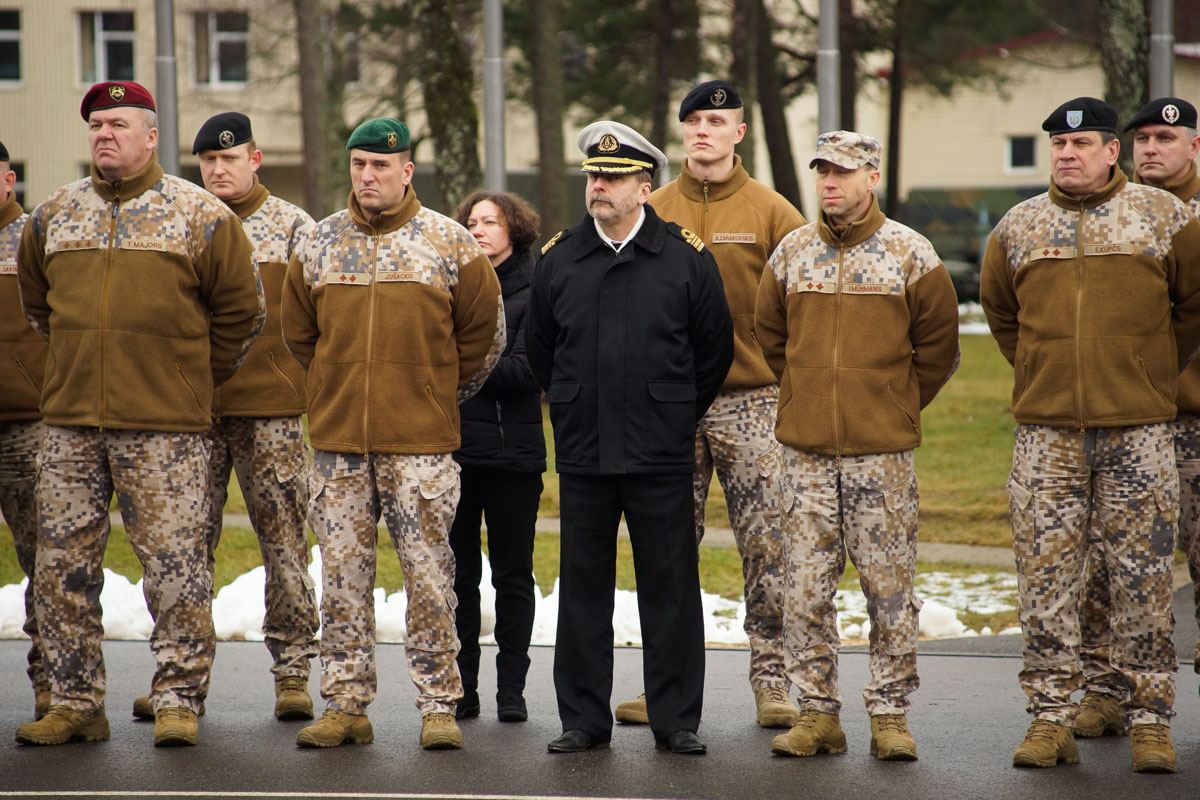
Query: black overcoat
(630,347)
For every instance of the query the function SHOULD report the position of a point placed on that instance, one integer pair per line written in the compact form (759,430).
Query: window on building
(19,189)
(106,41)
(10,46)
(222,47)
(1022,154)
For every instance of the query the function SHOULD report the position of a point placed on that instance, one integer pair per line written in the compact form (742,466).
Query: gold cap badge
(116,92)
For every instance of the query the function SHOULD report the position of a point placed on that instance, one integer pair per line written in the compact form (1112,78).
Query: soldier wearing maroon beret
(143,285)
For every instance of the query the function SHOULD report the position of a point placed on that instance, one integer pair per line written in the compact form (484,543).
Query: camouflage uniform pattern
(271,461)
(736,436)
(159,480)
(865,506)
(19,443)
(417,496)
(1126,479)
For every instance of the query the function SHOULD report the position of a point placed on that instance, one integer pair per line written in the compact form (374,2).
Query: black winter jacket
(631,347)
(502,424)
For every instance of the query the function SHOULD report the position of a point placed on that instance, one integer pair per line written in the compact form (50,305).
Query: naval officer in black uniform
(630,335)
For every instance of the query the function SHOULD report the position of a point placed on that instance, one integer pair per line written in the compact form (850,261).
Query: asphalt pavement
(967,717)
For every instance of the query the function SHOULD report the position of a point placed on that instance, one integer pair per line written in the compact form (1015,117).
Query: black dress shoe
(682,742)
(510,706)
(467,705)
(575,741)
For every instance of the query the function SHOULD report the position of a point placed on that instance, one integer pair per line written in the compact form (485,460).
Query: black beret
(3,152)
(710,94)
(223,131)
(1165,111)
(1081,114)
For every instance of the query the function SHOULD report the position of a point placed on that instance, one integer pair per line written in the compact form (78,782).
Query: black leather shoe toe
(575,741)
(682,742)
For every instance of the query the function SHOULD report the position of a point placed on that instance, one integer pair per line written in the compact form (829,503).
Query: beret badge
(1074,118)
(226,139)
(719,97)
(116,92)
(1170,113)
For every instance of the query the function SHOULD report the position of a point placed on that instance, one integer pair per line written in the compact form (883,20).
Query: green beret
(380,135)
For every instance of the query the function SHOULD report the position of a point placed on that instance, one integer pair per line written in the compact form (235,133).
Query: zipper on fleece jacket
(1079,264)
(837,347)
(370,342)
(102,404)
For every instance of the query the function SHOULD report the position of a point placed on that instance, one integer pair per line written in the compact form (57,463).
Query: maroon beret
(112,94)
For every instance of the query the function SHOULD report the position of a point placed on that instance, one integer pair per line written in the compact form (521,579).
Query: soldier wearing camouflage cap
(144,287)
(1165,145)
(256,426)
(630,335)
(20,419)
(857,316)
(395,313)
(1092,291)
(740,221)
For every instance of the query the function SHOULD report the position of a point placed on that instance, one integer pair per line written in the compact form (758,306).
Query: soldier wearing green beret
(396,315)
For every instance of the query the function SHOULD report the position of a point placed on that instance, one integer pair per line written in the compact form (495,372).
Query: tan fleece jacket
(1096,304)
(861,326)
(397,318)
(22,351)
(741,221)
(270,383)
(147,293)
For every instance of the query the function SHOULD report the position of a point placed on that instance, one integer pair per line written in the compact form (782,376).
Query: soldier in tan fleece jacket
(1092,291)
(857,316)
(396,314)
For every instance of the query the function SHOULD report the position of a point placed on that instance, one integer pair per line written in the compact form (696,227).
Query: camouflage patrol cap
(380,135)
(847,149)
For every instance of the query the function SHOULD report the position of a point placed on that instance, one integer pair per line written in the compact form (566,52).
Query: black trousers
(508,502)
(658,513)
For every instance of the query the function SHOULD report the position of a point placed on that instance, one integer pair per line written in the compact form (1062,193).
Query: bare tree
(313,107)
(743,44)
(448,80)
(547,85)
(1124,55)
(773,104)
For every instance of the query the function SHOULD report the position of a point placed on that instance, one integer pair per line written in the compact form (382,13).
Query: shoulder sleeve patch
(692,239)
(553,241)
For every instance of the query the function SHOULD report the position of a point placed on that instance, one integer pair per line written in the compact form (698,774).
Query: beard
(605,208)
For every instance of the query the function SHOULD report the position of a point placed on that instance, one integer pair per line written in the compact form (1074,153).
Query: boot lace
(293,683)
(1093,701)
(807,719)
(774,694)
(1043,729)
(175,712)
(1151,734)
(891,722)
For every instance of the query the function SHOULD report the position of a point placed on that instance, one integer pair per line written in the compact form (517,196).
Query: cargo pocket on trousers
(437,484)
(1020,509)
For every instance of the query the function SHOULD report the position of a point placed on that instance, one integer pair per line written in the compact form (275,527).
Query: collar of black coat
(1185,189)
(516,271)
(692,187)
(385,221)
(129,187)
(251,201)
(651,237)
(10,209)
(856,232)
(1116,182)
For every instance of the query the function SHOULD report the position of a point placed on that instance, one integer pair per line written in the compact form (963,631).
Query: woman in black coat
(503,456)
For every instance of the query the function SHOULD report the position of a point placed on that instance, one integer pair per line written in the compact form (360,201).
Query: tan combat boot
(814,732)
(439,731)
(633,712)
(1046,745)
(1152,750)
(335,728)
(143,710)
(890,739)
(292,700)
(62,724)
(176,727)
(1099,715)
(774,708)
(41,700)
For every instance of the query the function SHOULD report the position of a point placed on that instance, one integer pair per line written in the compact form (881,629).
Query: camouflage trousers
(1124,479)
(19,443)
(865,506)
(271,461)
(160,483)
(417,496)
(1095,604)
(737,438)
